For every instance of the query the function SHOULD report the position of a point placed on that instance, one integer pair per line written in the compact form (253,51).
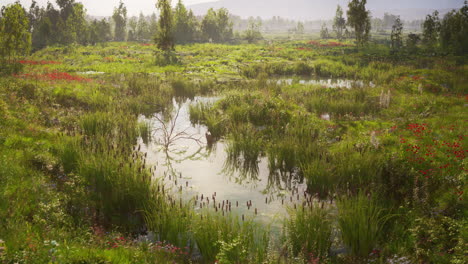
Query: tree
(76,26)
(185,24)
(389,20)
(217,26)
(454,31)
(15,39)
(253,33)
(165,39)
(359,20)
(300,28)
(143,31)
(324,32)
(132,32)
(396,36)
(224,25)
(412,42)
(153,25)
(431,30)
(339,23)
(120,20)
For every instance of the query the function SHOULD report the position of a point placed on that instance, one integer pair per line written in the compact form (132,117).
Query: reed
(361,220)
(309,230)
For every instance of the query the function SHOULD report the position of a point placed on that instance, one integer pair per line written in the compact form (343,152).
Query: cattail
(255,211)
(242,217)
(282,201)
(237,203)
(202,196)
(186,184)
(266,200)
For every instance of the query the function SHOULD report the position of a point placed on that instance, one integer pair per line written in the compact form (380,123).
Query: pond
(184,159)
(328,82)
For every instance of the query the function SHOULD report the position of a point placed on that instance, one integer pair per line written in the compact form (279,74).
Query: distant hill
(325,9)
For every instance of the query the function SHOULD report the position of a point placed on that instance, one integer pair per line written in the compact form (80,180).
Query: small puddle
(182,158)
(328,82)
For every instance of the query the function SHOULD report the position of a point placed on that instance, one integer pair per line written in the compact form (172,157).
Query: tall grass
(213,231)
(309,230)
(361,220)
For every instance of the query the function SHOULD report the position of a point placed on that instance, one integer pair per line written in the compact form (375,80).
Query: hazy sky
(105,7)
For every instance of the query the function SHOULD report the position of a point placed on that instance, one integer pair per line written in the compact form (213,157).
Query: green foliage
(120,21)
(309,231)
(186,24)
(359,20)
(15,39)
(216,25)
(396,37)
(431,31)
(454,31)
(165,38)
(339,23)
(253,33)
(361,221)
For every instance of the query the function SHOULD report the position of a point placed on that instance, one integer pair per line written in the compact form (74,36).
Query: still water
(182,157)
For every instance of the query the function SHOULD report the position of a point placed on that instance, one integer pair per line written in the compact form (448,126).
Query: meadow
(382,158)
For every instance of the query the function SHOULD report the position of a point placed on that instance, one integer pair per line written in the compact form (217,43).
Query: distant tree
(15,39)
(324,32)
(300,28)
(377,24)
(454,31)
(339,23)
(431,30)
(397,35)
(216,26)
(253,33)
(209,25)
(132,31)
(165,38)
(143,31)
(120,21)
(153,25)
(185,24)
(359,20)
(389,20)
(412,42)
(75,30)
(224,25)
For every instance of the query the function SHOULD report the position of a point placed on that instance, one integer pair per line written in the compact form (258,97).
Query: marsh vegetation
(293,151)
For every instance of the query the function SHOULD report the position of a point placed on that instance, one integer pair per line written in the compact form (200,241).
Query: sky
(134,7)
(106,7)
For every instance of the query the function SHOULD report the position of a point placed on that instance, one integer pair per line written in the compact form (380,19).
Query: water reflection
(328,82)
(186,161)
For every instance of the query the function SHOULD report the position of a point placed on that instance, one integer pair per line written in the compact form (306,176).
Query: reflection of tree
(172,139)
(245,169)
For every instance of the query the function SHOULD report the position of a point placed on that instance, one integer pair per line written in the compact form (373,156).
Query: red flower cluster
(171,248)
(432,156)
(42,62)
(302,48)
(53,76)
(327,45)
(116,242)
